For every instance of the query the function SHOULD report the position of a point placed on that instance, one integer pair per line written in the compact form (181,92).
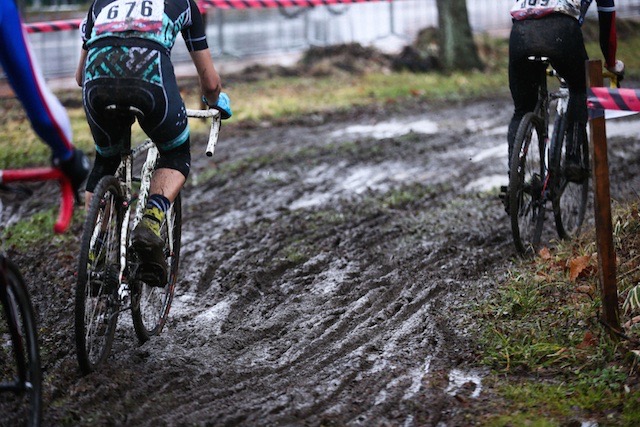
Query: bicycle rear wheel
(569,196)
(97,299)
(526,182)
(151,305)
(20,374)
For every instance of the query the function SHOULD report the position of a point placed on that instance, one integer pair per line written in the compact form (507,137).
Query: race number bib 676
(130,15)
(524,9)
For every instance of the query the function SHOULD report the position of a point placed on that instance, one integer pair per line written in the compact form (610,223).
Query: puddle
(458,379)
(358,180)
(390,129)
(497,151)
(487,183)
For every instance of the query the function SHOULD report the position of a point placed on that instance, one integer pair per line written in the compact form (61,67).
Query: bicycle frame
(126,176)
(46,174)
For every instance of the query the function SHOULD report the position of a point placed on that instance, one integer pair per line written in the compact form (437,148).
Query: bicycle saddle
(124,109)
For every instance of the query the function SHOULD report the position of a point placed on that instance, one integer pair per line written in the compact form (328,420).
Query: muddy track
(327,276)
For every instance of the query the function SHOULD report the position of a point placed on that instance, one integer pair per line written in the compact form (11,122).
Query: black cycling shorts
(140,77)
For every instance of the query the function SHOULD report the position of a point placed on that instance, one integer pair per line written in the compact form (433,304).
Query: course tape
(52,26)
(252,4)
(74,24)
(604,98)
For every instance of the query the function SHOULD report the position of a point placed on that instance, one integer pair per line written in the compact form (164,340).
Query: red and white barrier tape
(53,26)
(603,98)
(252,4)
(74,24)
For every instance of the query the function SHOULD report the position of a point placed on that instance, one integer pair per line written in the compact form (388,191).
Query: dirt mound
(351,58)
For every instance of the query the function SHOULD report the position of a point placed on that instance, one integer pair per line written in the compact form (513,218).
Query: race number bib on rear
(130,15)
(527,9)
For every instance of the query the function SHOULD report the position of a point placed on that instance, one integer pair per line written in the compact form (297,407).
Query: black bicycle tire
(568,217)
(30,373)
(144,292)
(86,359)
(524,214)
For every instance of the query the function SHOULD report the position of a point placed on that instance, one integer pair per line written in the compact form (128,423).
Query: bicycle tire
(24,379)
(97,301)
(569,199)
(151,305)
(526,180)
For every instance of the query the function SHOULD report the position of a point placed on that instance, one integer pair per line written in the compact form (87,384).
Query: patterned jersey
(158,21)
(526,9)
(531,9)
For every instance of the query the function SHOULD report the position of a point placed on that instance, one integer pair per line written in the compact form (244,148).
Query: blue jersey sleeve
(48,117)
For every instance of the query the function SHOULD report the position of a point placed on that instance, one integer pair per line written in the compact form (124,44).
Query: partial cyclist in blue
(551,28)
(48,117)
(125,60)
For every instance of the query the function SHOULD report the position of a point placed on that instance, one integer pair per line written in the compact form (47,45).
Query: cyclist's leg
(524,78)
(167,124)
(109,133)
(47,115)
(569,61)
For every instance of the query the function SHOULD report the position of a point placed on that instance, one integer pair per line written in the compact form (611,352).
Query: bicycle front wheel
(20,374)
(97,299)
(151,305)
(570,191)
(526,183)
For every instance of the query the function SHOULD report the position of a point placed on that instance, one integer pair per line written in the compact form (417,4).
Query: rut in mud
(328,270)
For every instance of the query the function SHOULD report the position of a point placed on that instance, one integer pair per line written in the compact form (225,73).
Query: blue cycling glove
(223,105)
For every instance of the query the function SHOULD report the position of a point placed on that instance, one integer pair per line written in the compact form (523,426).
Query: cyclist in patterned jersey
(551,28)
(48,117)
(125,60)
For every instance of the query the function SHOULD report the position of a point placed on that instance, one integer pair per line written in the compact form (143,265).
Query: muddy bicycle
(539,180)
(20,374)
(109,280)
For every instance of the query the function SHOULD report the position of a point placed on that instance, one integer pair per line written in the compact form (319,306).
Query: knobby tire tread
(153,300)
(569,199)
(28,363)
(525,212)
(88,363)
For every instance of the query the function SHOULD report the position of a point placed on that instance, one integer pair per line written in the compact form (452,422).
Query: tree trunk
(457,48)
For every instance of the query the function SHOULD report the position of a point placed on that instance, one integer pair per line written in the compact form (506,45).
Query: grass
(552,359)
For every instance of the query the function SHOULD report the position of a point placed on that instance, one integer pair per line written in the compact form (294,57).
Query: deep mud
(328,272)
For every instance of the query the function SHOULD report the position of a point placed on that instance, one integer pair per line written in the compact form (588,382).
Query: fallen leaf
(545,253)
(589,340)
(577,266)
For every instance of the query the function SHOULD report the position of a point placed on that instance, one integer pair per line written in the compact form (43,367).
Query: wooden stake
(602,204)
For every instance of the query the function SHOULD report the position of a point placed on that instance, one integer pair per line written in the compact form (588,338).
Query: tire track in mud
(326,278)
(335,291)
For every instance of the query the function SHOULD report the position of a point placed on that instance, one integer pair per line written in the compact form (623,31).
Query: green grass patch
(552,359)
(35,230)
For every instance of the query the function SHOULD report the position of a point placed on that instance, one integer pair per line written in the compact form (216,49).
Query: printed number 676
(145,9)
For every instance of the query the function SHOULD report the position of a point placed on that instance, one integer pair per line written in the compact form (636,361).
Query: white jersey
(527,9)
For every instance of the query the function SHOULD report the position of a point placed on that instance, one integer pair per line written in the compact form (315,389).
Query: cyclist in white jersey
(551,28)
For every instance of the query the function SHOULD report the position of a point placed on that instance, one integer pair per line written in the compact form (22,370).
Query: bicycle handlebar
(215,126)
(46,174)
